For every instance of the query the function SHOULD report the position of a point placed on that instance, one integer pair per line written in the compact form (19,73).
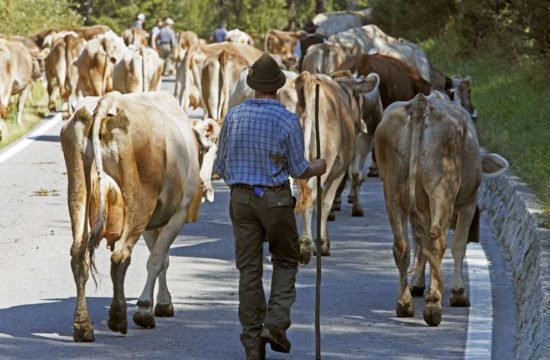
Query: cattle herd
(137,165)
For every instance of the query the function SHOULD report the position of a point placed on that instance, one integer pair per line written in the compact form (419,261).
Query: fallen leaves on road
(44,192)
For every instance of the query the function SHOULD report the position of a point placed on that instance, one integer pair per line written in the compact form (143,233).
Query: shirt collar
(264,102)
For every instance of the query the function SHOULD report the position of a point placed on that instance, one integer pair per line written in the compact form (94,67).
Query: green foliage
(512,101)
(27,17)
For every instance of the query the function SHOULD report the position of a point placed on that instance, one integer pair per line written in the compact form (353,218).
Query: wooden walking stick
(318,240)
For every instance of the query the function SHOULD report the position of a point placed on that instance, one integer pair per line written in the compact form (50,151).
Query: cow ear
(493,165)
(212,129)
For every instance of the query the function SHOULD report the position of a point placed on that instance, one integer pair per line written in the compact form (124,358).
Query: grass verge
(34,111)
(512,101)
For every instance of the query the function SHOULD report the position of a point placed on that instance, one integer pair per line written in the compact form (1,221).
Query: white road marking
(480,319)
(23,143)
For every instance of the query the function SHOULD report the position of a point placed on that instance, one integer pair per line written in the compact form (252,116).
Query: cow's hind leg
(156,263)
(418,265)
(330,188)
(164,307)
(80,264)
(120,260)
(464,219)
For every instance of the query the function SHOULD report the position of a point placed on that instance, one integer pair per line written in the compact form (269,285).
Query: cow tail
(325,63)
(267,42)
(418,115)
(305,88)
(223,83)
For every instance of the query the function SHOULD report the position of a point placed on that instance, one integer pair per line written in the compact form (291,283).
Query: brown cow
(281,43)
(133,168)
(61,73)
(15,79)
(429,158)
(87,32)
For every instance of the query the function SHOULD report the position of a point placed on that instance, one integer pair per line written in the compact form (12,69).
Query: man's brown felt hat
(265,75)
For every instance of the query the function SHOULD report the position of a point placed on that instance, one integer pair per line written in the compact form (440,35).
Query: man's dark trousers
(257,218)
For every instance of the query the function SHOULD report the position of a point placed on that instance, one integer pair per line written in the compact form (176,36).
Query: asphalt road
(359,284)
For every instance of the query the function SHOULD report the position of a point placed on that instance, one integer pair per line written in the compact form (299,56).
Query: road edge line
(21,144)
(480,317)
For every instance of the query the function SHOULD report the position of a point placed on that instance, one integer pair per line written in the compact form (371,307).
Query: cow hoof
(164,310)
(350,199)
(144,319)
(432,314)
(458,298)
(331,216)
(372,172)
(305,250)
(83,332)
(118,321)
(417,291)
(357,212)
(404,309)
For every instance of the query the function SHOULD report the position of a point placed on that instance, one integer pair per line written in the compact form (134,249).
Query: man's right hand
(317,167)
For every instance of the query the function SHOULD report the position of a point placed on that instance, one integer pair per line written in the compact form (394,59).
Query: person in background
(261,144)
(154,33)
(220,33)
(311,38)
(138,23)
(166,44)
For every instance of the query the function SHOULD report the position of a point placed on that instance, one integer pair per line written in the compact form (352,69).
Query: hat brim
(267,87)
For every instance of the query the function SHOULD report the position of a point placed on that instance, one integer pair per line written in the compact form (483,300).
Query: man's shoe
(255,353)
(276,338)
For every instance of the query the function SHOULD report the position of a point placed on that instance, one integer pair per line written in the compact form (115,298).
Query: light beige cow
(61,73)
(133,169)
(189,73)
(132,73)
(135,36)
(15,79)
(329,23)
(337,131)
(95,63)
(239,37)
(281,43)
(429,158)
(323,58)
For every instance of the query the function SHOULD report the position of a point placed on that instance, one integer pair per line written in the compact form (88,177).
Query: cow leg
(373,167)
(398,219)
(80,264)
(464,219)
(21,104)
(418,265)
(51,94)
(363,144)
(327,199)
(155,264)
(120,260)
(164,307)
(337,203)
(434,249)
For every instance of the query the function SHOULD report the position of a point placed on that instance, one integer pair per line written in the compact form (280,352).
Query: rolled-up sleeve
(219,164)
(294,144)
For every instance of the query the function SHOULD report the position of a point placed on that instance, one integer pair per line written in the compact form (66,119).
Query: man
(220,34)
(166,44)
(311,38)
(154,33)
(261,144)
(138,23)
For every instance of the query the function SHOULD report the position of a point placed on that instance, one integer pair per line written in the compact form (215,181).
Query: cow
(239,37)
(131,73)
(86,32)
(61,73)
(430,161)
(15,79)
(38,58)
(364,95)
(133,169)
(188,78)
(220,73)
(134,36)
(398,81)
(370,39)
(95,63)
(185,39)
(323,58)
(337,141)
(277,42)
(329,23)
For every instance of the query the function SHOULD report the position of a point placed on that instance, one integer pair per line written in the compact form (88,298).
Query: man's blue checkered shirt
(261,143)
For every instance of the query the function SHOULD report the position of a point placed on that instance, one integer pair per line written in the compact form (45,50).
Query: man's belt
(283,186)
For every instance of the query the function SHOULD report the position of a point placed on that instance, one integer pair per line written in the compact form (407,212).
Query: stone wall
(515,215)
